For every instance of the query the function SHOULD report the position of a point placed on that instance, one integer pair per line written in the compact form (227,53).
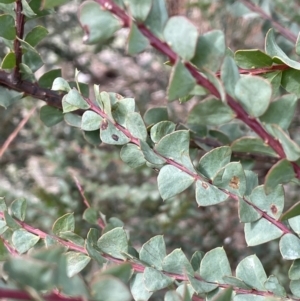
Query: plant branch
(137,267)
(14,134)
(202,81)
(22,295)
(282,30)
(20,21)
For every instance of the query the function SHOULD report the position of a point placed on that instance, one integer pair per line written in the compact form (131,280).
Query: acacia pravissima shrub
(257,88)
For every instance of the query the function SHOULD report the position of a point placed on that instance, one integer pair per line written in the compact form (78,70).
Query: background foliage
(42,164)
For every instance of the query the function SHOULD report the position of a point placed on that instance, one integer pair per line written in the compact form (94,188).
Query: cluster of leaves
(202,66)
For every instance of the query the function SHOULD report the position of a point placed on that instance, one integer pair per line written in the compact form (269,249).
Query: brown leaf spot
(234,182)
(204,185)
(115,137)
(104,124)
(274,209)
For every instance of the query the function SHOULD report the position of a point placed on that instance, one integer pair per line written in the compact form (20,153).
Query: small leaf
(74,101)
(295,224)
(179,152)
(260,232)
(136,40)
(224,295)
(7,27)
(251,271)
(289,81)
(229,75)
(211,111)
(253,145)
(287,104)
(273,285)
(35,35)
(64,223)
(295,287)
(215,265)
(157,18)
(114,242)
(291,212)
(153,252)
(272,203)
(149,154)
(232,178)
(155,115)
(9,61)
(90,121)
(291,149)
(60,84)
(92,137)
(131,154)
(181,81)
(207,194)
(196,259)
(23,240)
(172,181)
(26,9)
(280,173)
(51,116)
(73,120)
(210,50)
(177,263)
(180,29)
(247,213)
(91,242)
(161,129)
(273,50)
(136,126)
(138,289)
(109,134)
(99,25)
(233,281)
(76,262)
(289,246)
(72,237)
(252,181)
(172,296)
(253,58)
(254,93)
(139,9)
(155,280)
(109,288)
(294,271)
(9,97)
(18,208)
(201,286)
(213,161)
(10,222)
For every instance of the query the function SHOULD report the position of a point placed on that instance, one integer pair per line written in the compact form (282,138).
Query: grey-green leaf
(260,232)
(23,240)
(254,93)
(114,242)
(207,194)
(211,111)
(181,81)
(172,181)
(251,271)
(215,265)
(289,246)
(177,30)
(154,251)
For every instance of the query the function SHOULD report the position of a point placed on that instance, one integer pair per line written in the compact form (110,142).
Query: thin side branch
(282,30)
